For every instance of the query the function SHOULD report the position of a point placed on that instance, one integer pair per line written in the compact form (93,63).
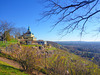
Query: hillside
(89,50)
(56,45)
(49,60)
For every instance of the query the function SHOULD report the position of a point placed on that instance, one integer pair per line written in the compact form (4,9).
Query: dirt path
(10,62)
(15,64)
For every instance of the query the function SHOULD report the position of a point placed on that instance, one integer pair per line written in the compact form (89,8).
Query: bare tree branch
(6,27)
(67,13)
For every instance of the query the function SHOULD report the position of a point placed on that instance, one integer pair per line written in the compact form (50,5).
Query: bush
(43,71)
(27,57)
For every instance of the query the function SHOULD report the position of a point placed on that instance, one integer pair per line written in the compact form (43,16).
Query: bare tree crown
(76,13)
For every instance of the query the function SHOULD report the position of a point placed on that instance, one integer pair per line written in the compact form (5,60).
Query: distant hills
(90,46)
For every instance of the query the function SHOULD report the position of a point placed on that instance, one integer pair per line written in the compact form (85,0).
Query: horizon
(24,13)
(76,41)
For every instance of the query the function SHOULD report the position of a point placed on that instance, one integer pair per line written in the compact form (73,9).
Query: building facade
(27,37)
(41,42)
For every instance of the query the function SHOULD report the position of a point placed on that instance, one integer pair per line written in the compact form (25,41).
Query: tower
(29,29)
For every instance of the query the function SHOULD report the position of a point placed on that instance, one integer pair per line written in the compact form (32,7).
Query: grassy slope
(7,43)
(6,69)
(76,62)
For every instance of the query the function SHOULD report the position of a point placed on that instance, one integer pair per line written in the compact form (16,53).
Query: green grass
(32,45)
(52,48)
(6,69)
(3,44)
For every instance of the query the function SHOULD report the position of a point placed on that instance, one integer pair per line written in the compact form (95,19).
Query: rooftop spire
(29,29)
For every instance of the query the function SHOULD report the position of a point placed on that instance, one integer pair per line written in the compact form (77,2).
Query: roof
(29,31)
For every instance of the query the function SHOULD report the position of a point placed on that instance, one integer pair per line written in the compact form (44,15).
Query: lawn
(52,48)
(3,44)
(35,45)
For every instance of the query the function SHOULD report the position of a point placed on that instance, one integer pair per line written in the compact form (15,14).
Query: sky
(24,13)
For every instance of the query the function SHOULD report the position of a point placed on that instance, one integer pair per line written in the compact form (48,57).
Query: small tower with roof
(29,28)
(28,37)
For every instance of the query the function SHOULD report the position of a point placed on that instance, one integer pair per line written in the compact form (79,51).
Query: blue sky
(24,13)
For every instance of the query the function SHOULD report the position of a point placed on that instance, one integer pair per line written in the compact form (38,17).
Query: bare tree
(76,13)
(6,27)
(19,31)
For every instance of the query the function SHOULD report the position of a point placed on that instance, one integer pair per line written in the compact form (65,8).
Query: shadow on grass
(6,67)
(9,70)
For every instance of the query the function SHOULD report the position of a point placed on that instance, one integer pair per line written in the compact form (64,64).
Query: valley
(88,50)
